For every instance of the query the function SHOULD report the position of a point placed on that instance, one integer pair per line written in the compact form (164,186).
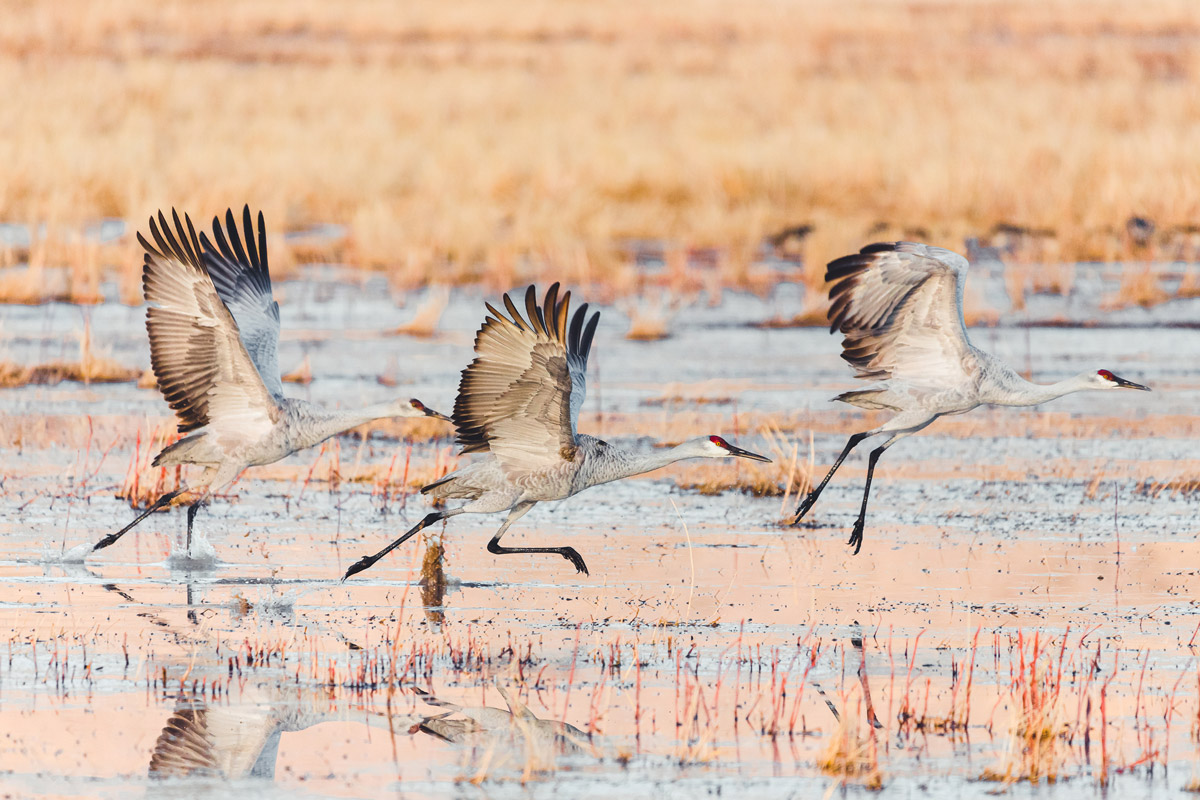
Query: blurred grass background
(480,141)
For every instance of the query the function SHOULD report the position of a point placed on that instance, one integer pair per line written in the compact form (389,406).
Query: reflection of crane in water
(899,305)
(240,738)
(484,725)
(519,402)
(214,341)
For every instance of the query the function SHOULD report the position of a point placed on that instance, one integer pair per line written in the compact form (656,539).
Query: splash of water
(201,556)
(76,555)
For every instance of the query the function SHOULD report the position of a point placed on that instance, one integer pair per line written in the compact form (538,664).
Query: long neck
(1020,392)
(321,424)
(618,463)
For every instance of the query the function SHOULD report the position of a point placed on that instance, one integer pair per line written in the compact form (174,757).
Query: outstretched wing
(244,284)
(218,741)
(899,305)
(520,397)
(202,367)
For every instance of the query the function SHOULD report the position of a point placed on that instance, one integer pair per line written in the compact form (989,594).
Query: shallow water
(1020,569)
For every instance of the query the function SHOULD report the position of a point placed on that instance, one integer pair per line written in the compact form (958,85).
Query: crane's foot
(856,536)
(805,506)
(366,562)
(570,554)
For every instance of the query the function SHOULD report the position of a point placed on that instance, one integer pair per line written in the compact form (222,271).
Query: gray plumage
(238,740)
(489,727)
(899,307)
(214,336)
(518,403)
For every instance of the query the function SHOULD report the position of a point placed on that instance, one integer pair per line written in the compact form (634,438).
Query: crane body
(214,335)
(899,307)
(518,404)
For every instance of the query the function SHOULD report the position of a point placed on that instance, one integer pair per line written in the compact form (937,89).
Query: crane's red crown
(417,404)
(719,442)
(1108,376)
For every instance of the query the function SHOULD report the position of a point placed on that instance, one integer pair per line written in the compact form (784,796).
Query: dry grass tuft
(1178,486)
(1037,748)
(433,577)
(144,483)
(1140,286)
(650,317)
(409,429)
(302,374)
(785,476)
(852,755)
(813,315)
(425,321)
(90,369)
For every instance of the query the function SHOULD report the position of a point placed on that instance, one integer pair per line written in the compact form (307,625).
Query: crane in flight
(518,402)
(900,307)
(214,341)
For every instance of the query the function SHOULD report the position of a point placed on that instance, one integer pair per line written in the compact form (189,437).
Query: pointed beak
(740,453)
(429,412)
(1124,384)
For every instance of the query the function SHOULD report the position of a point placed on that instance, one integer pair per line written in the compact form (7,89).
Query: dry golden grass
(410,429)
(786,475)
(852,754)
(144,483)
(425,321)
(1140,286)
(433,577)
(650,317)
(92,367)
(91,370)
(301,374)
(1037,748)
(464,142)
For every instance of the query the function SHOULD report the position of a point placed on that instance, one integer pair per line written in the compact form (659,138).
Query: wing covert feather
(520,397)
(197,355)
(899,306)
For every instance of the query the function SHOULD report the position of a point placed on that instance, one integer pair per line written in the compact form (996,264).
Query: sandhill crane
(214,337)
(899,305)
(519,402)
(240,739)
(487,726)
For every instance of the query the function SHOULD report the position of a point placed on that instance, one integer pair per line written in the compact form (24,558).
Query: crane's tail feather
(867,398)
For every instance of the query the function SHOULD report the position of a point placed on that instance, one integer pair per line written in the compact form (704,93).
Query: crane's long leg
(159,503)
(856,536)
(518,511)
(366,562)
(191,515)
(815,493)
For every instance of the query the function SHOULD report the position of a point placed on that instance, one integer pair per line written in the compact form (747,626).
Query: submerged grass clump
(852,756)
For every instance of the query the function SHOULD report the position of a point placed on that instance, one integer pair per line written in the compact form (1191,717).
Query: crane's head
(415,408)
(716,447)
(1103,379)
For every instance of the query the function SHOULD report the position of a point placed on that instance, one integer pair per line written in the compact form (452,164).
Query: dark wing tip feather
(575,336)
(561,314)
(585,343)
(549,309)
(248,230)
(534,311)
(511,307)
(881,247)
